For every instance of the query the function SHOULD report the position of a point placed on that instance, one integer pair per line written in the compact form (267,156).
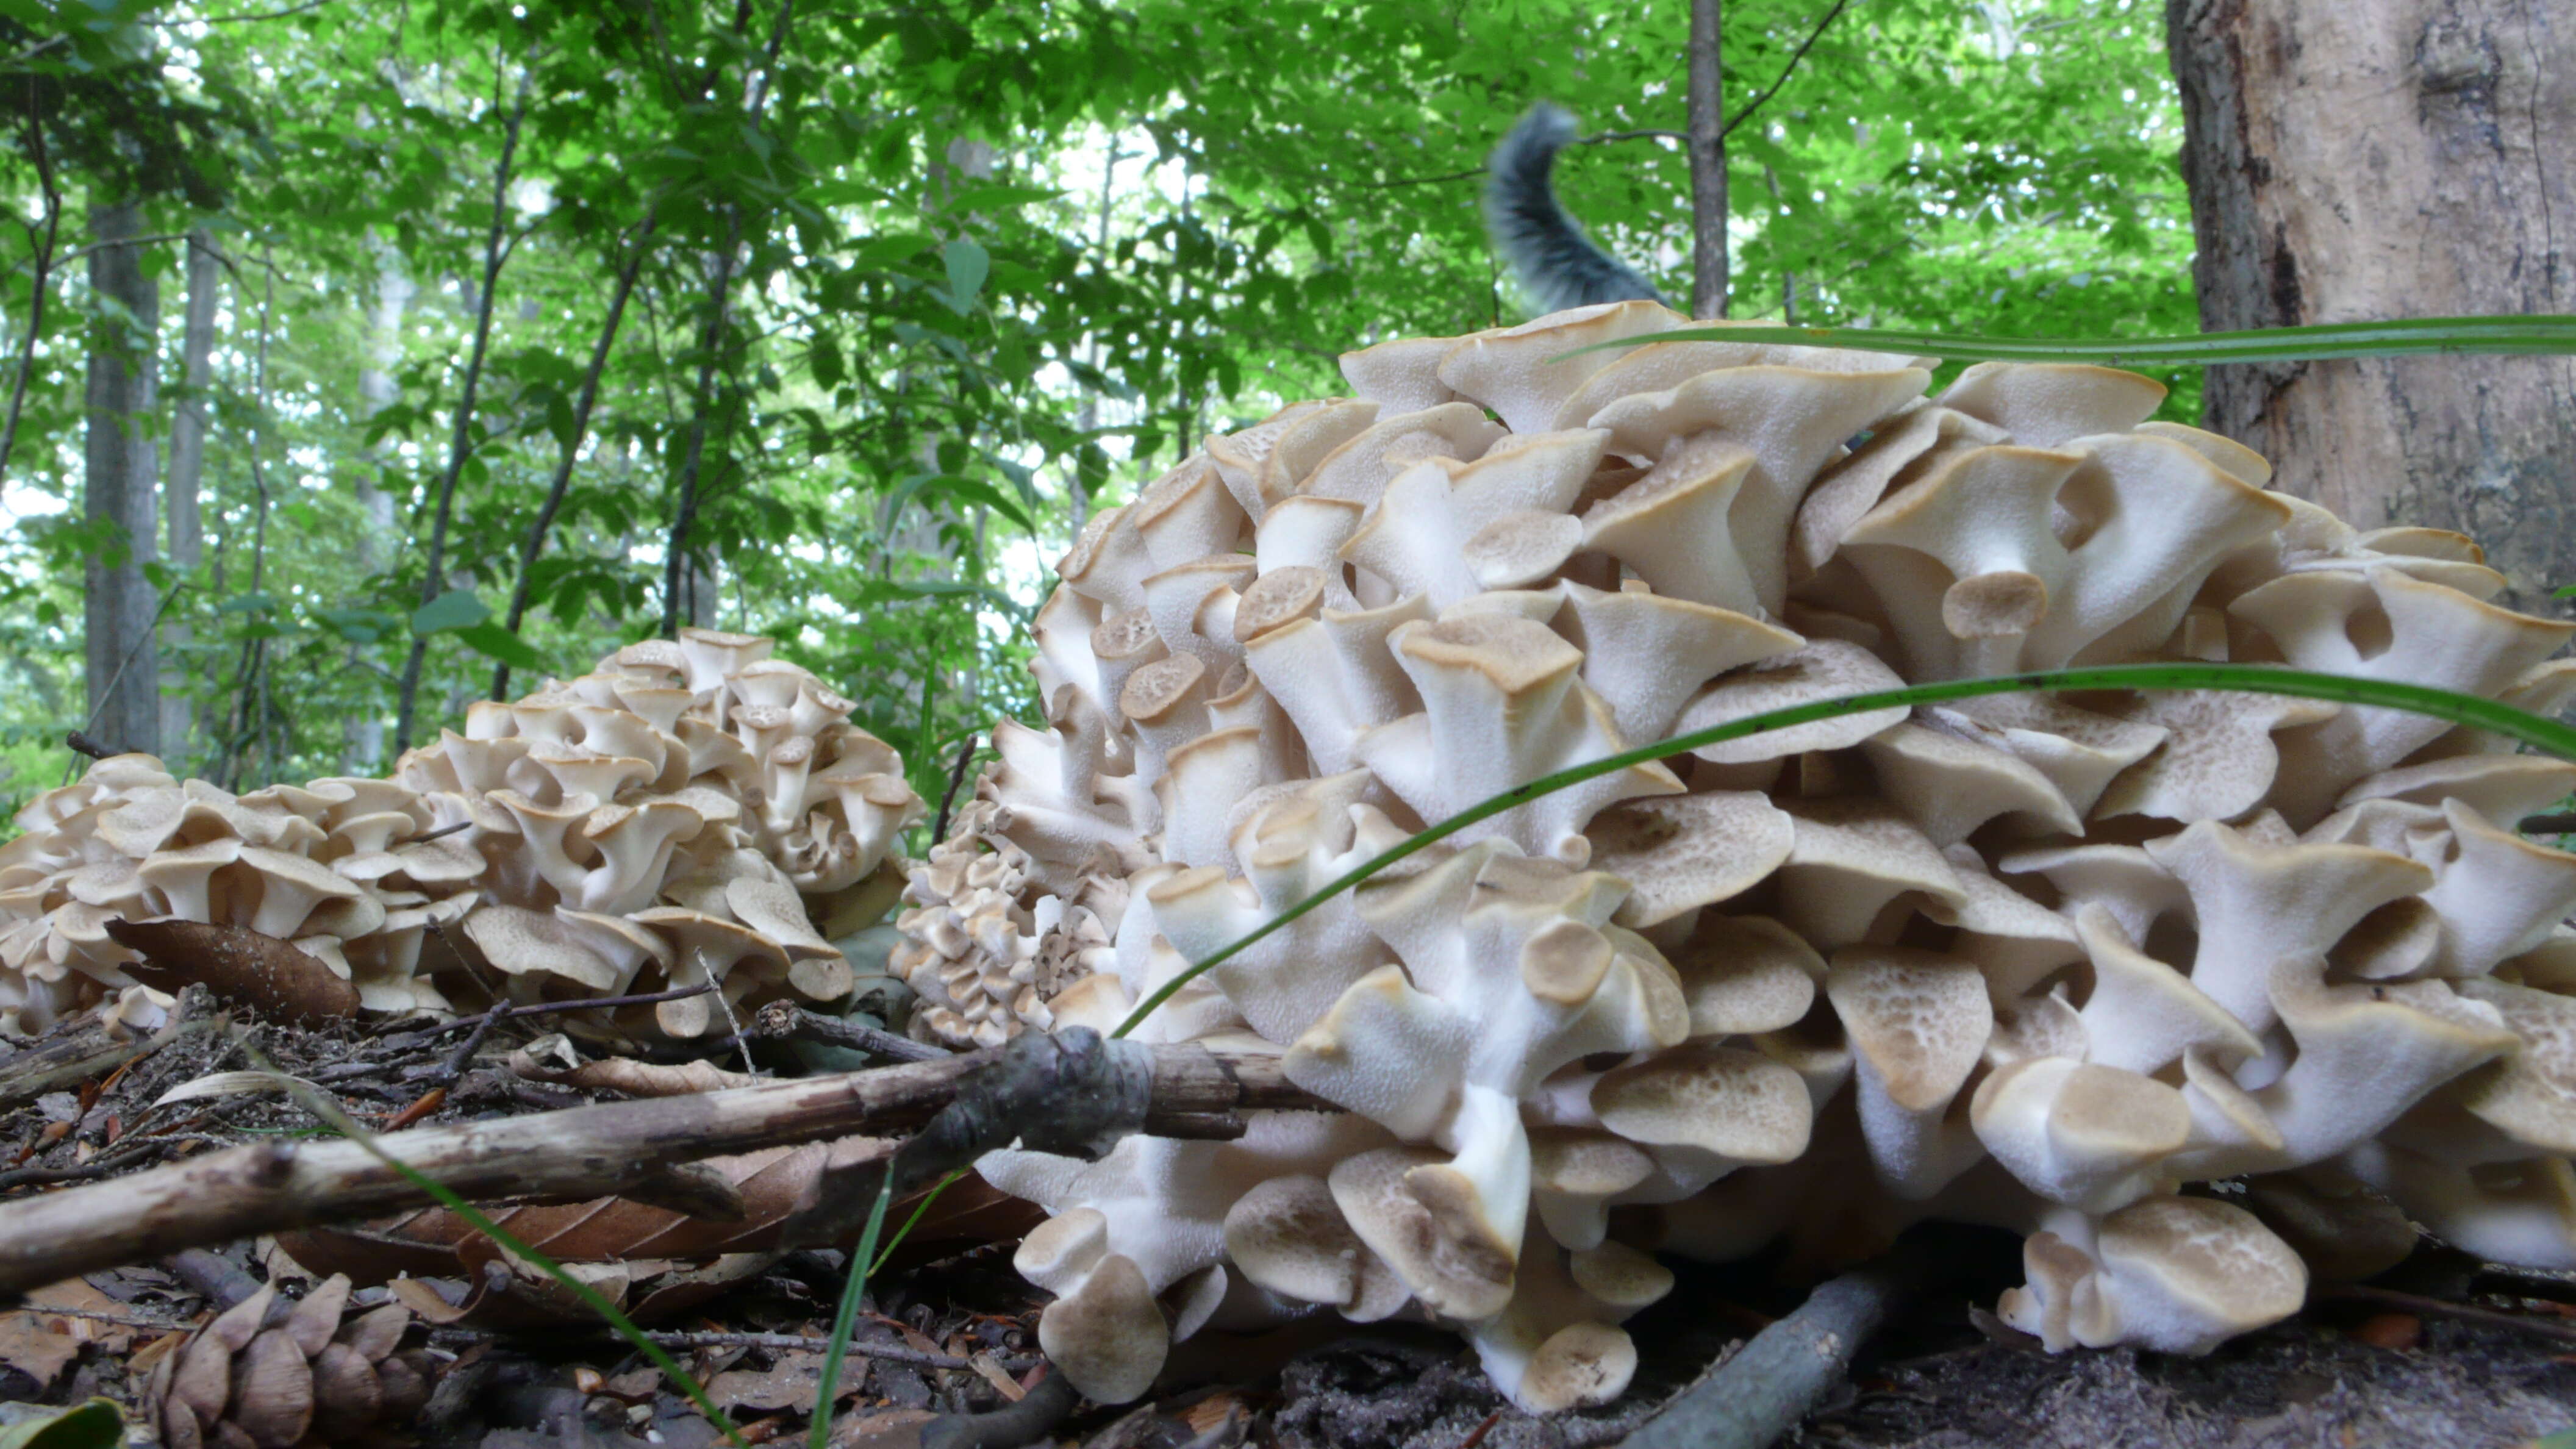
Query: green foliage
(889,335)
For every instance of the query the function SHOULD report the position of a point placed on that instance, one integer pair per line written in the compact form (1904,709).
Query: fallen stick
(1754,1398)
(95,1049)
(594,1151)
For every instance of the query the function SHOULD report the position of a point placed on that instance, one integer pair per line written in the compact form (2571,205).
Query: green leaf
(495,642)
(94,1425)
(455,609)
(968,266)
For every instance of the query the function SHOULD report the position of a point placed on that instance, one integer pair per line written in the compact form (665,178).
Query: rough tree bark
(1708,159)
(182,485)
(121,469)
(363,734)
(2406,158)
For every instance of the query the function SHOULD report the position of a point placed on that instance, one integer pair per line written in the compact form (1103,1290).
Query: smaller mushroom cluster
(680,815)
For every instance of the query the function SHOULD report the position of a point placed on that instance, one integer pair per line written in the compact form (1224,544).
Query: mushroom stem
(1756,1396)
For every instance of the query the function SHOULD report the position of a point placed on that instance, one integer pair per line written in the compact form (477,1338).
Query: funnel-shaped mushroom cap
(1287,1235)
(2258,904)
(2088,1137)
(1646,654)
(1525,373)
(1726,1102)
(1660,366)
(1502,707)
(1793,420)
(1263,463)
(1575,1173)
(1682,852)
(1186,514)
(1400,376)
(2079,751)
(2144,1015)
(2383,625)
(1950,786)
(2522,1213)
(2218,759)
(1817,670)
(1918,1023)
(2049,404)
(1906,448)
(1360,468)
(1672,527)
(2176,1274)
(1388,1052)
(1431,1225)
(1850,860)
(1108,1336)
(2529,1094)
(2503,788)
(1744,975)
(1336,676)
(1551,1349)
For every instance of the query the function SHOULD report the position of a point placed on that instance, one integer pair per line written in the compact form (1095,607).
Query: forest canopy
(465,341)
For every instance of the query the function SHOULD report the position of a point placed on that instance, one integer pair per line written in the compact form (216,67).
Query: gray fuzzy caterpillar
(1557,264)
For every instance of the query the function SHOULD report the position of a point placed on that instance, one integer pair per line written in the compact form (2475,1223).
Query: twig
(1752,1398)
(544,1008)
(441,833)
(82,744)
(814,1343)
(787,1021)
(1066,1091)
(2444,1308)
(1740,117)
(956,778)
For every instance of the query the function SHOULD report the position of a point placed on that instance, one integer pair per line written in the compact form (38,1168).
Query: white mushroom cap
(1682,852)
(2177,1274)
(2088,1137)
(1526,373)
(1918,1023)
(1107,1336)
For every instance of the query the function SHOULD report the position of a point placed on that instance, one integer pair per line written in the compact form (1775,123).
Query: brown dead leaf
(239,965)
(40,1344)
(553,1059)
(885,1429)
(788,1383)
(990,1369)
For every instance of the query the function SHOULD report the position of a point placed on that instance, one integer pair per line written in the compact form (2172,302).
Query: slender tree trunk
(461,444)
(2404,158)
(561,483)
(678,560)
(184,484)
(362,736)
(122,466)
(40,273)
(1708,159)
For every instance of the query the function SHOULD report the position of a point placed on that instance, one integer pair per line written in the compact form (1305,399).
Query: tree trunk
(184,485)
(2411,158)
(122,465)
(1708,159)
(363,734)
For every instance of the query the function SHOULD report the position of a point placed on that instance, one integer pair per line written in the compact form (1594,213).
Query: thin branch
(561,483)
(44,265)
(112,243)
(611,1148)
(461,442)
(684,513)
(1740,117)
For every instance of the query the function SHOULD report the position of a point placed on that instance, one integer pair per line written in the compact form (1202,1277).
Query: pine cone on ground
(266,1376)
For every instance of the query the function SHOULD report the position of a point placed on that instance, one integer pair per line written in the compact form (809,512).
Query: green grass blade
(854,1289)
(680,1378)
(2442,704)
(2543,335)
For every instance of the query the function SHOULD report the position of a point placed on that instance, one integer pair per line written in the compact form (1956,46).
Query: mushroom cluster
(2035,961)
(681,814)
